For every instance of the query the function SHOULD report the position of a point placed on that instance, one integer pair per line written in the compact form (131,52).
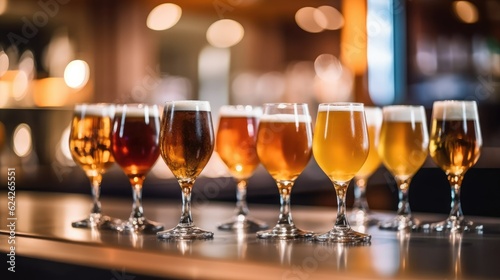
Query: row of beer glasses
(102,134)
(134,136)
(399,136)
(284,143)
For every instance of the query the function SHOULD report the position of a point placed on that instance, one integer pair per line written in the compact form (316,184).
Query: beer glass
(136,147)
(235,143)
(186,145)
(455,146)
(90,145)
(284,140)
(403,149)
(360,213)
(340,147)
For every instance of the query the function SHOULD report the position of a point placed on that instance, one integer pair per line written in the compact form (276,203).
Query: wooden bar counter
(43,232)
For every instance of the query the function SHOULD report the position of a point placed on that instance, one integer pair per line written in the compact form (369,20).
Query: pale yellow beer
(284,144)
(373,123)
(340,141)
(403,141)
(236,142)
(90,142)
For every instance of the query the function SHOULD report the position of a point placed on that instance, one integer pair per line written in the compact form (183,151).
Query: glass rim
(285,104)
(454,101)
(341,106)
(342,103)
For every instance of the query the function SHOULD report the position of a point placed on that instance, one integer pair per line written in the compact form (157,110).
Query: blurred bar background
(56,53)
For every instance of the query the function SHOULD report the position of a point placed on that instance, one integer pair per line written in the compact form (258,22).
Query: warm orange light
(3,6)
(310,19)
(50,92)
(466,11)
(4,62)
(353,37)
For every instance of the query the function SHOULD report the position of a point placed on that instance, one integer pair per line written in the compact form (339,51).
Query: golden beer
(453,145)
(90,143)
(340,148)
(403,146)
(372,160)
(186,141)
(236,144)
(284,144)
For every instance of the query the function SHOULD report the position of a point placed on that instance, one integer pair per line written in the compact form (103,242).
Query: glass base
(99,222)
(141,225)
(400,222)
(284,232)
(361,217)
(185,233)
(451,224)
(243,222)
(343,235)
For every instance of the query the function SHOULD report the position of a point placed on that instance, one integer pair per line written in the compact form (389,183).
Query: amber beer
(403,140)
(455,137)
(284,144)
(373,123)
(236,142)
(340,147)
(186,138)
(136,141)
(90,140)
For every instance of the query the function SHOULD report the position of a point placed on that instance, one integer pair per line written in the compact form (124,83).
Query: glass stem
(340,190)
(137,210)
(285,217)
(360,195)
(95,211)
(404,204)
(241,198)
(186,218)
(456,208)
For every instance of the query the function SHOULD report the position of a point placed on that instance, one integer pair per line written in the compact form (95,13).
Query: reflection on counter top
(43,231)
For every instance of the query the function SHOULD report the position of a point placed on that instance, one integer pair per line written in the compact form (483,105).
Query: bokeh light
(225,33)
(466,11)
(164,16)
(327,67)
(309,19)
(333,18)
(22,140)
(76,74)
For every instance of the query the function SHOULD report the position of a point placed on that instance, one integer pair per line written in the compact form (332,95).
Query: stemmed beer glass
(90,145)
(403,148)
(136,147)
(455,146)
(236,145)
(186,145)
(284,140)
(340,147)
(360,213)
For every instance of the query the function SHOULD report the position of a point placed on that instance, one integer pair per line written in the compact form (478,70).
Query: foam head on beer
(137,110)
(286,118)
(373,116)
(403,113)
(455,110)
(327,107)
(189,105)
(240,111)
(98,109)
